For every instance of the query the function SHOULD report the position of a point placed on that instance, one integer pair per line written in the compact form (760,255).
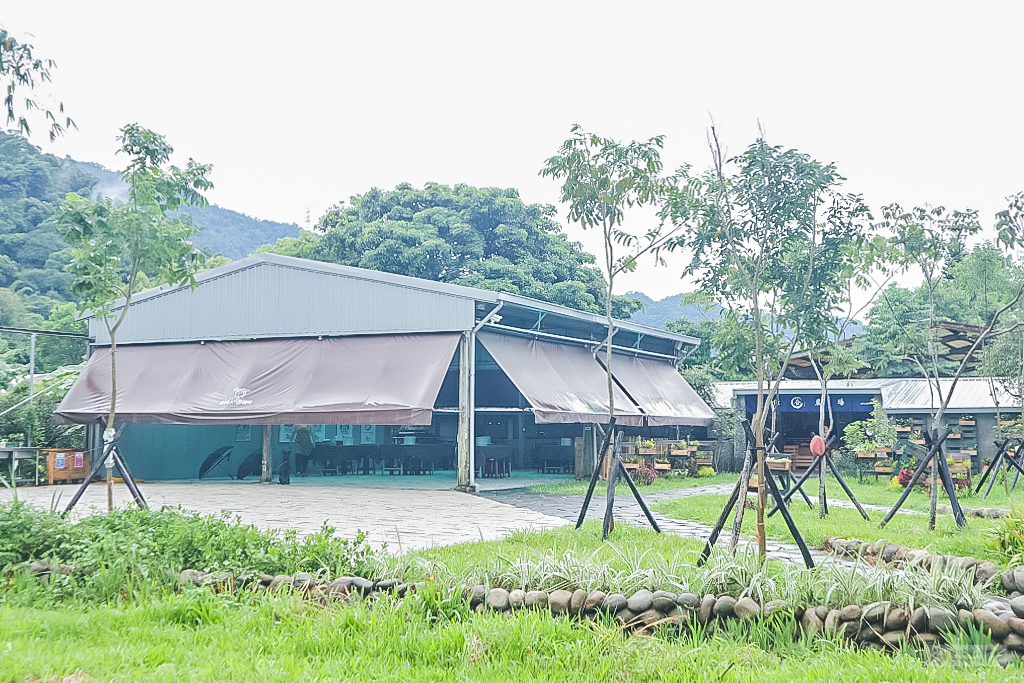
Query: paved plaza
(406,513)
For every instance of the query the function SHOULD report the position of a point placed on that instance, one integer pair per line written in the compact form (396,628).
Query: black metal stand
(822,461)
(110,450)
(994,467)
(935,454)
(735,496)
(617,469)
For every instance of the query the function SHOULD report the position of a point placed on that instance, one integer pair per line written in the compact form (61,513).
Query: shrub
(705,471)
(28,533)
(1008,537)
(904,478)
(645,474)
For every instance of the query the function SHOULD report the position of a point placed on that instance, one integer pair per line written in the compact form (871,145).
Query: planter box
(692,449)
(968,451)
(703,462)
(886,470)
(662,467)
(954,436)
(778,466)
(678,451)
(647,451)
(903,430)
(919,442)
(967,422)
(866,455)
(631,465)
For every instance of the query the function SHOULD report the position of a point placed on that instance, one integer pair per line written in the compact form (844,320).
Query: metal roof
(269,295)
(898,395)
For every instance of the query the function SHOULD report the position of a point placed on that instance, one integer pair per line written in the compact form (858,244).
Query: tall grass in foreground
(199,636)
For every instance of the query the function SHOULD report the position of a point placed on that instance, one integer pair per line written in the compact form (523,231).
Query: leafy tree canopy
(479,237)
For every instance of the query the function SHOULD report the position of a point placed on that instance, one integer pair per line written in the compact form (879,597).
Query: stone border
(879,625)
(899,556)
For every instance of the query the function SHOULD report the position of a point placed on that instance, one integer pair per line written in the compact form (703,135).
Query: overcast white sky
(299,105)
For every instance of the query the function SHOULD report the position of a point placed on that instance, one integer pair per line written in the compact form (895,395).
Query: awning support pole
(266,475)
(466,415)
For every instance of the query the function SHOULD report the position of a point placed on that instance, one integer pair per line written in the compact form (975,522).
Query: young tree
(766,230)
(19,67)
(118,249)
(601,179)
(929,240)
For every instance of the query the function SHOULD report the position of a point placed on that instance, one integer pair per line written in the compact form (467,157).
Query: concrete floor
(404,512)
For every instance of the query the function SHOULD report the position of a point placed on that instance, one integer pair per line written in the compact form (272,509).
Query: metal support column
(266,475)
(467,415)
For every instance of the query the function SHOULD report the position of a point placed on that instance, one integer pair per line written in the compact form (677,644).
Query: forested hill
(223,231)
(658,313)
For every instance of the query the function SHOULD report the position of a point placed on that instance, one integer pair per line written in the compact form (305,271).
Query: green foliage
(479,237)
(146,544)
(1007,537)
(876,432)
(21,68)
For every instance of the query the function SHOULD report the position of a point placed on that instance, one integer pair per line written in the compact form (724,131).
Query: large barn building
(395,374)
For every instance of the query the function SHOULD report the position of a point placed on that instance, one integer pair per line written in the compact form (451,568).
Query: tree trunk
(113,379)
(933,485)
(610,262)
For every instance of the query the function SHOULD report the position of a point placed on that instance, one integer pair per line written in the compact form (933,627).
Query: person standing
(302,444)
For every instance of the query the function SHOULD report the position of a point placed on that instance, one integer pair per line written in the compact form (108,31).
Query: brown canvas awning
(562,382)
(379,379)
(664,396)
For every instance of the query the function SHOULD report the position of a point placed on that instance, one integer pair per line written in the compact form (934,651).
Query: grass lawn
(905,529)
(880,493)
(579,488)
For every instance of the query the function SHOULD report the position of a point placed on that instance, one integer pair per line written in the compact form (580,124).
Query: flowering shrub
(645,474)
(904,477)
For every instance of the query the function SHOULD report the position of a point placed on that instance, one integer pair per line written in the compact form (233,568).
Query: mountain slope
(657,313)
(222,231)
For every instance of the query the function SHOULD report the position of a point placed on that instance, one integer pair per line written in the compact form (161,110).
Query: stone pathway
(626,509)
(403,518)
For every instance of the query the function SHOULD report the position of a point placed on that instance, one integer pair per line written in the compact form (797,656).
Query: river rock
(594,602)
(536,600)
(1016,625)
(651,617)
(874,613)
(339,586)
(497,599)
(941,620)
(1014,642)
(893,638)
(810,623)
(641,601)
(477,594)
(517,598)
(578,600)
(990,623)
(773,606)
(927,639)
(1006,579)
(707,605)
(625,617)
(1018,578)
(614,603)
(965,618)
(746,608)
(985,571)
(663,601)
(558,601)
(279,580)
(889,553)
(365,587)
(303,580)
(387,585)
(896,619)
(879,546)
(850,613)
(689,600)
(919,620)
(265,579)
(188,576)
(724,606)
(831,622)
(1017,605)
(822,612)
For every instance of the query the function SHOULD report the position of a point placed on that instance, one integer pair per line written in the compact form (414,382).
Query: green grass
(579,488)
(880,493)
(906,529)
(186,638)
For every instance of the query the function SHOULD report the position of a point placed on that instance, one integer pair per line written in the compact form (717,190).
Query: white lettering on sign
(238,399)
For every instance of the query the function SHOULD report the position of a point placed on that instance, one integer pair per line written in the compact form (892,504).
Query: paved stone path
(626,509)
(404,518)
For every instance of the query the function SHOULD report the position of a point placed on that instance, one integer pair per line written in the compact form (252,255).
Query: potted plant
(966,419)
(692,445)
(969,449)
(903,428)
(645,446)
(917,437)
(954,433)
(884,465)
